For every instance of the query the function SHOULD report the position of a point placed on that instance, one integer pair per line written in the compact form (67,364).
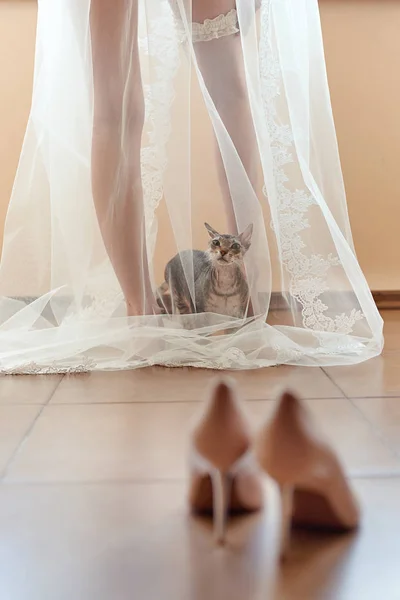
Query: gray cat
(220,284)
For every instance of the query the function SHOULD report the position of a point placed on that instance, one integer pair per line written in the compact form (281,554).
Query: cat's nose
(223,252)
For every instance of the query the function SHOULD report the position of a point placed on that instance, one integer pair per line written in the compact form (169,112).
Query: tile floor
(92,488)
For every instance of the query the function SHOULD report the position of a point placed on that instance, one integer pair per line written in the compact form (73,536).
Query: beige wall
(362,45)
(17,40)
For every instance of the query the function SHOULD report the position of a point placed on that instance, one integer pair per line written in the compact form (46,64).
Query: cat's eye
(216,243)
(235,246)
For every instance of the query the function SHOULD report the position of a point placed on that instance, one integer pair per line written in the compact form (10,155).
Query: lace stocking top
(211,29)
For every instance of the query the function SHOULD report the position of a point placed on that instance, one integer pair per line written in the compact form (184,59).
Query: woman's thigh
(114,48)
(209,9)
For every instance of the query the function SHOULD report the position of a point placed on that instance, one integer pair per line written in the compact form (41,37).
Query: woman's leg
(222,67)
(117,131)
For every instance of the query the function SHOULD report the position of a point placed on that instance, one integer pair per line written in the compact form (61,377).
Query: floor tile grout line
(150,402)
(376,430)
(97,482)
(270,399)
(126,402)
(27,433)
(51,395)
(303,397)
(351,397)
(378,397)
(3,404)
(16,450)
(392,474)
(332,380)
(28,403)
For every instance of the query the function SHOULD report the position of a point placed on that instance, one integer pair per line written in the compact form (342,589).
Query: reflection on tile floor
(92,491)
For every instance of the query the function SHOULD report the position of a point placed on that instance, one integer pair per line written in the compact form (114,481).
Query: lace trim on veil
(308,274)
(162,45)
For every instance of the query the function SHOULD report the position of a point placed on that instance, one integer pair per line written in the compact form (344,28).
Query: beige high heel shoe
(314,490)
(224,477)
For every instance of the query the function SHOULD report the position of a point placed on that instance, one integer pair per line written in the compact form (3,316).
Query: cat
(220,284)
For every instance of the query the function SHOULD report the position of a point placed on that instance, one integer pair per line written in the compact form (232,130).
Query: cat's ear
(245,237)
(211,232)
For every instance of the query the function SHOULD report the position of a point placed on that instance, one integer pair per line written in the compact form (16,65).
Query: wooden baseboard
(387,300)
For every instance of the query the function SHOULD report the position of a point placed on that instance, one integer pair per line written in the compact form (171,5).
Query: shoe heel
(286,494)
(220,486)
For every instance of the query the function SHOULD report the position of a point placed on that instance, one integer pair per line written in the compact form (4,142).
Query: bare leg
(221,63)
(117,131)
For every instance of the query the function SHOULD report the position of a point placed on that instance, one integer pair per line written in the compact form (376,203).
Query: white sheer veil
(62,308)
